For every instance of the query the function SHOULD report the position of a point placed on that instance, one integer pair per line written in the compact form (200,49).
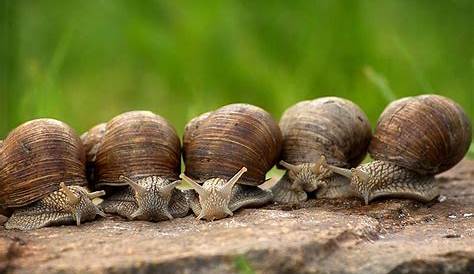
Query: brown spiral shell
(330,126)
(35,158)
(219,143)
(138,144)
(428,134)
(191,126)
(91,140)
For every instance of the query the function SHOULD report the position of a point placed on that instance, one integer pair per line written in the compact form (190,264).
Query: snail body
(229,151)
(139,155)
(43,178)
(415,139)
(318,135)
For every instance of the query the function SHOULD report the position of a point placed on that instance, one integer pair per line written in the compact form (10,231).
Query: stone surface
(320,236)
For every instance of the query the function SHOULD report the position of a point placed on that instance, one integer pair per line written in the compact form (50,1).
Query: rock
(455,262)
(320,236)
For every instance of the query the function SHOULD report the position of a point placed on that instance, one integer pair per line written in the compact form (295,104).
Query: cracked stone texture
(320,236)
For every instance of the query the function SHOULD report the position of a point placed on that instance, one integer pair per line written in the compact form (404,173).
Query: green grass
(242,265)
(86,62)
(470,153)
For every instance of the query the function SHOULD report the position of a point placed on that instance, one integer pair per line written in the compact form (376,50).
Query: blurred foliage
(84,62)
(242,265)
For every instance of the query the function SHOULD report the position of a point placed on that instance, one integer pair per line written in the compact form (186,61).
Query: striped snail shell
(141,150)
(91,140)
(415,139)
(317,133)
(42,176)
(237,143)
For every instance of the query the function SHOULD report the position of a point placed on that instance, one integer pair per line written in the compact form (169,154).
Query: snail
(317,135)
(90,140)
(229,151)
(141,151)
(43,176)
(415,139)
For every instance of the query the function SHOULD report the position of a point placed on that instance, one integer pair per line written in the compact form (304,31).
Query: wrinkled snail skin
(380,178)
(138,155)
(415,139)
(227,153)
(69,204)
(36,159)
(218,198)
(318,135)
(318,177)
(151,198)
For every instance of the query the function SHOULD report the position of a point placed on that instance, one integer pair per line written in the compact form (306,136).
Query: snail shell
(190,130)
(330,126)
(220,143)
(328,130)
(142,150)
(35,158)
(428,134)
(91,140)
(416,138)
(138,144)
(232,137)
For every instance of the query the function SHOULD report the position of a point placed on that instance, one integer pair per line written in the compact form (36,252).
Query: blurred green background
(84,62)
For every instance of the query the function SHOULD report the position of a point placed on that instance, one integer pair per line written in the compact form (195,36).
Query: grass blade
(381,83)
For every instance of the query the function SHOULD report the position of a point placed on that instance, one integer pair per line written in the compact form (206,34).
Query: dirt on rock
(320,236)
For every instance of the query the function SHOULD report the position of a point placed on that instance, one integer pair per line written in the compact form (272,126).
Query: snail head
(360,181)
(215,195)
(152,196)
(308,176)
(79,202)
